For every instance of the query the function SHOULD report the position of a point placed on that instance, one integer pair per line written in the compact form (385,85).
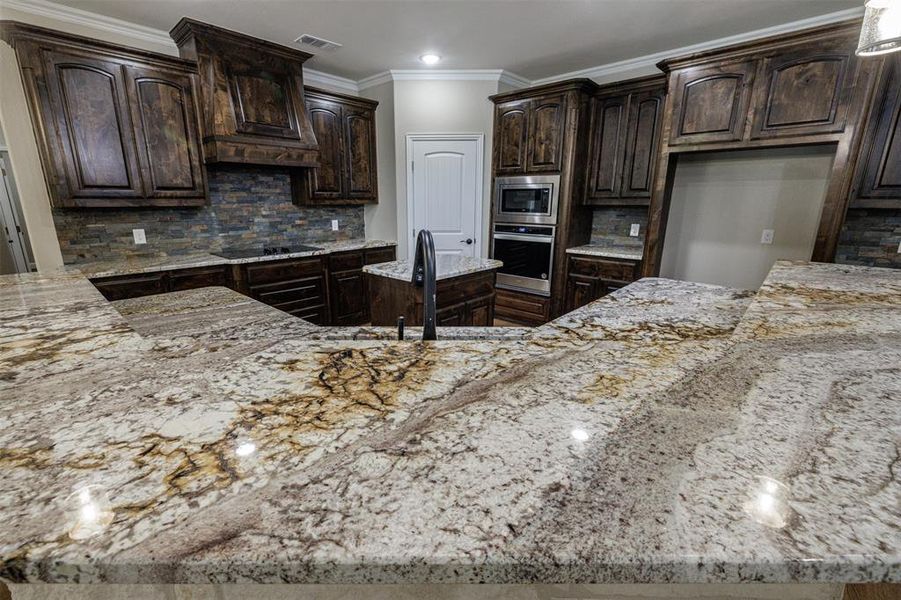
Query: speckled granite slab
(648,444)
(151,264)
(621,252)
(448,266)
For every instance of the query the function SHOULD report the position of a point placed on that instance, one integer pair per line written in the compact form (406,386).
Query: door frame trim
(479,138)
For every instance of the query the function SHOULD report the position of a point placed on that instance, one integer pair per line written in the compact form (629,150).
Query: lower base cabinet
(588,279)
(326,290)
(522,308)
(465,301)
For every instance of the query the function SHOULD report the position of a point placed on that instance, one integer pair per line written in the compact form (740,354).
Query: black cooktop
(264,251)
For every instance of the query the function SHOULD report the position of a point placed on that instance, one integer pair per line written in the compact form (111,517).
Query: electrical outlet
(334,224)
(139,236)
(767,236)
(633,231)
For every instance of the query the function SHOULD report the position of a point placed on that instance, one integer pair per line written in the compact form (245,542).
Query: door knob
(467,241)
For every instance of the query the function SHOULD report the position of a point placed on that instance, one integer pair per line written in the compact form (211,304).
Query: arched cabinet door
(511,128)
(163,113)
(645,110)
(546,118)
(94,138)
(359,125)
(608,138)
(326,118)
(806,91)
(710,104)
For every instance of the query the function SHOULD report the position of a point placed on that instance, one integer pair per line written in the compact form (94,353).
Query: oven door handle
(543,239)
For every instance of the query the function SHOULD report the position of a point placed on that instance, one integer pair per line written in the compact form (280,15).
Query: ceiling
(531,38)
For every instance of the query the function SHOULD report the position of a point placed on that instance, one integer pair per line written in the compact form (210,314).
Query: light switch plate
(140,237)
(633,231)
(334,224)
(899,247)
(767,236)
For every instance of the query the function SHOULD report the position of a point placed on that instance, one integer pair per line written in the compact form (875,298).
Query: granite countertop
(448,266)
(152,264)
(622,252)
(669,432)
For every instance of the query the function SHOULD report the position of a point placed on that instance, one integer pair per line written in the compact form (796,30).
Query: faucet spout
(425,276)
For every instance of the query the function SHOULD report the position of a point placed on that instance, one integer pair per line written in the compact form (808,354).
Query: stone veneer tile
(870,237)
(249,206)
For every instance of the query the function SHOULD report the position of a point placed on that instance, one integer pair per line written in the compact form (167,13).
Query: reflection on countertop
(669,432)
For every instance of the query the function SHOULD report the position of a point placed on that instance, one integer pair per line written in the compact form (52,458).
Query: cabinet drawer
(380,255)
(189,279)
(605,269)
(310,290)
(283,270)
(345,261)
(132,286)
(521,303)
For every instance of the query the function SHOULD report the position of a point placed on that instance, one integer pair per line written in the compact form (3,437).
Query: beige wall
(381,219)
(722,202)
(440,107)
(23,151)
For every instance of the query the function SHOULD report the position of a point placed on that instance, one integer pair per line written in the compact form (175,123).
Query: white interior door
(444,176)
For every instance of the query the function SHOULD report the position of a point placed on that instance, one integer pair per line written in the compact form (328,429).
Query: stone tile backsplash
(249,207)
(610,226)
(870,237)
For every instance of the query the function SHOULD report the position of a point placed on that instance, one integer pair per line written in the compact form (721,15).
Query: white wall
(722,202)
(439,107)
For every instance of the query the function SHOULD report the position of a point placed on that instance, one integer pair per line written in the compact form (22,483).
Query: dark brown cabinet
(147,284)
(522,307)
(347,172)
(296,286)
(710,103)
(625,134)
(116,127)
(589,278)
(529,135)
(348,294)
(878,181)
(253,97)
(804,91)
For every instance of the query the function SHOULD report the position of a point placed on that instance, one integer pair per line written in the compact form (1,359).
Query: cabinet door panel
(880,162)
(645,110)
(451,316)
(91,112)
(547,115)
(710,104)
(607,147)
(348,297)
(580,290)
(263,100)
(326,118)
(360,142)
(804,92)
(511,128)
(162,106)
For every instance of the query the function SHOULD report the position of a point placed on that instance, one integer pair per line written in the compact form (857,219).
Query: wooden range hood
(251,97)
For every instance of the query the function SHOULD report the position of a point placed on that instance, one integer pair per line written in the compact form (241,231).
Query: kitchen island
(668,433)
(464,292)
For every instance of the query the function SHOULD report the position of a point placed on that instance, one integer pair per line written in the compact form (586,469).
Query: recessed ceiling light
(430,59)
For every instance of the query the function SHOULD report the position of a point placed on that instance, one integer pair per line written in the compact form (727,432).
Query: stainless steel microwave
(528,199)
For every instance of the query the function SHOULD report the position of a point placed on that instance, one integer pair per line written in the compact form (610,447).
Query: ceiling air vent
(311,41)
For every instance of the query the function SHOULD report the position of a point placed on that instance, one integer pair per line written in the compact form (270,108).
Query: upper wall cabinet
(253,98)
(116,127)
(625,135)
(529,132)
(345,129)
(878,180)
(797,86)
(710,104)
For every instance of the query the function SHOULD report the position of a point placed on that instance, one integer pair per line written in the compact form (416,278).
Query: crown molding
(649,61)
(77,16)
(320,78)
(500,75)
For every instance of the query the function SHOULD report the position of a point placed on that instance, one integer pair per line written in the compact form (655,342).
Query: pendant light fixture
(881,31)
